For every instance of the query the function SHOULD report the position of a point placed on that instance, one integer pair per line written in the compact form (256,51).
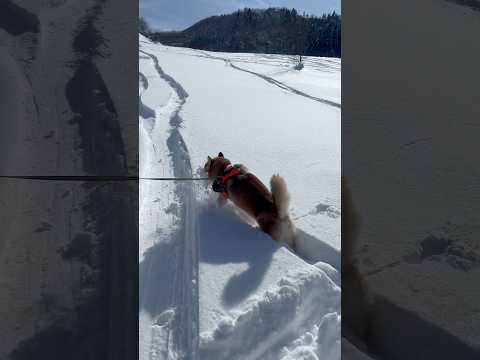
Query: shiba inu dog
(245,190)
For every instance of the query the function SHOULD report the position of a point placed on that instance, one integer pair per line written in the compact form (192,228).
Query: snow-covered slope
(212,286)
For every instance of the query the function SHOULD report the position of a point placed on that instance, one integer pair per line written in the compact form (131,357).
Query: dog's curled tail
(286,230)
(280,195)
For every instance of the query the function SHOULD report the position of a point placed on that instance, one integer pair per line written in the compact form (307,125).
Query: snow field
(212,285)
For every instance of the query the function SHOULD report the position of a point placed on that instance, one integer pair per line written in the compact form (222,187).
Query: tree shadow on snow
(226,238)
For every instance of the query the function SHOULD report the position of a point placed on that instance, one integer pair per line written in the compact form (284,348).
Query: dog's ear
(208,164)
(220,154)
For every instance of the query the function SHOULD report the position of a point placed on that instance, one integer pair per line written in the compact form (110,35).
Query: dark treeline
(274,31)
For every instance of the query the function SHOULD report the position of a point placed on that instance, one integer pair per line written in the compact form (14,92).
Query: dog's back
(249,193)
(269,208)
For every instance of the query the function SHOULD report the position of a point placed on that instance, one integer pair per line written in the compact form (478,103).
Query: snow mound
(302,303)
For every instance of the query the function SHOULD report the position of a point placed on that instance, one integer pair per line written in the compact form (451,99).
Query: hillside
(272,31)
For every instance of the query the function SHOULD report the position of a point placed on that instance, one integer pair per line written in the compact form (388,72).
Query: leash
(100,178)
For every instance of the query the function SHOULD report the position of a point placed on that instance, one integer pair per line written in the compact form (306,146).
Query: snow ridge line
(186,287)
(275,82)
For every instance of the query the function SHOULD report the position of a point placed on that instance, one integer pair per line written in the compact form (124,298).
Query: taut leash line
(99,178)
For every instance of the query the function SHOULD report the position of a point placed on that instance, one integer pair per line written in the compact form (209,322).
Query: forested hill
(274,31)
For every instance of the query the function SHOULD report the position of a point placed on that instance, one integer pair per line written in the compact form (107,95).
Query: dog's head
(214,166)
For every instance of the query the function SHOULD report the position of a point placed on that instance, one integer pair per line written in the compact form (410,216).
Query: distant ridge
(273,31)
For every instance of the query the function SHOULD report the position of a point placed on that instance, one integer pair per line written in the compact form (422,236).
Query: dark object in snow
(299,65)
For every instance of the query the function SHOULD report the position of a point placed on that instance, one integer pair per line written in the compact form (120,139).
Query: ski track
(272,81)
(185,330)
(285,87)
(144,111)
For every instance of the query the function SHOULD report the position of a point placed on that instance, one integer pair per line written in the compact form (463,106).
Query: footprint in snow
(329,210)
(323,209)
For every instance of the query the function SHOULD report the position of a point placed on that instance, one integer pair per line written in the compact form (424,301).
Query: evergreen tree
(143,27)
(274,30)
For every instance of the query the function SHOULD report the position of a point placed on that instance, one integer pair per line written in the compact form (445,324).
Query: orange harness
(234,171)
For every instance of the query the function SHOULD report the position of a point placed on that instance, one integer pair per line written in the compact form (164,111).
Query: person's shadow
(226,238)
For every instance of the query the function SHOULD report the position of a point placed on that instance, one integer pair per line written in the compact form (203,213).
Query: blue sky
(180,14)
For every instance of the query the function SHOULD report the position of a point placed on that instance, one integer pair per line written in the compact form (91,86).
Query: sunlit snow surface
(212,286)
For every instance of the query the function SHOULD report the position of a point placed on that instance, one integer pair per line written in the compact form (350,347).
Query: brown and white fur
(268,208)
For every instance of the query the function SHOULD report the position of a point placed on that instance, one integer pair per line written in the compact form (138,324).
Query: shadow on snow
(226,238)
